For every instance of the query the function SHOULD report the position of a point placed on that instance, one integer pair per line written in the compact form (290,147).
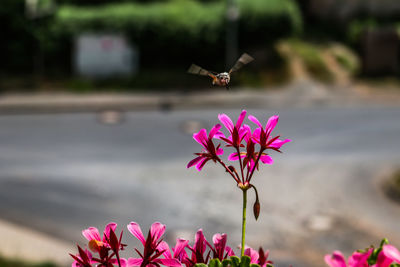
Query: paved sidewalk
(300,94)
(29,245)
(25,244)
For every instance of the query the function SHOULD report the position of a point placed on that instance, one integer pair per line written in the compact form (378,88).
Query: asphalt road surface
(62,173)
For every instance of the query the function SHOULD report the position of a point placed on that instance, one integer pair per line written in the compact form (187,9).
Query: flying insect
(223,78)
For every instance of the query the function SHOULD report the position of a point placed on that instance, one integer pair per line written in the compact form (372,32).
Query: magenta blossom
(150,257)
(263,136)
(210,152)
(221,251)
(83,259)
(198,250)
(178,252)
(96,242)
(250,156)
(237,132)
(388,255)
(358,259)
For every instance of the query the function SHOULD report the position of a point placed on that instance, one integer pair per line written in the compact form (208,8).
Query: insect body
(223,78)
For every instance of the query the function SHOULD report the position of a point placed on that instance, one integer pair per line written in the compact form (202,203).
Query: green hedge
(179,20)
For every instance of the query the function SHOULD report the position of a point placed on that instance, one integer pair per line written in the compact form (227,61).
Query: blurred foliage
(168,33)
(311,58)
(392,186)
(346,58)
(189,30)
(18,263)
(357,27)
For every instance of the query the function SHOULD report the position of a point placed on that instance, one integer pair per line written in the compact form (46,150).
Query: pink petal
(219,151)
(279,143)
(111,225)
(169,262)
(255,120)
(200,241)
(225,120)
(230,251)
(123,261)
(157,229)
(135,230)
(164,246)
(193,162)
(214,130)
(201,137)
(220,240)
(180,246)
(234,156)
(256,135)
(91,233)
(266,159)
(272,121)
(359,259)
(335,260)
(135,261)
(245,130)
(201,164)
(391,254)
(241,119)
(253,254)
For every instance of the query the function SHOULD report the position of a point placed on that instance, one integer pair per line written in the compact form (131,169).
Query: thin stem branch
(240,162)
(237,179)
(255,164)
(244,220)
(119,261)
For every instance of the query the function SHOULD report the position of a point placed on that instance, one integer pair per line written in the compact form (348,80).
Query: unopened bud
(256,209)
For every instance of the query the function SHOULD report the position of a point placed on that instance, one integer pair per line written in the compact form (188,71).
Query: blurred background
(136,45)
(97,113)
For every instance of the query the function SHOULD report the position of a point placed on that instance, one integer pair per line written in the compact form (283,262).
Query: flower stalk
(244,190)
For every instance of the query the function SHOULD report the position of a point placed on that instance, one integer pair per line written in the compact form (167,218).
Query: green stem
(244,220)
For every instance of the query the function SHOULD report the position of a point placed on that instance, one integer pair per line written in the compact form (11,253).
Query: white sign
(104,55)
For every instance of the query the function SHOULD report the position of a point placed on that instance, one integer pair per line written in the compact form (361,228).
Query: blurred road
(62,173)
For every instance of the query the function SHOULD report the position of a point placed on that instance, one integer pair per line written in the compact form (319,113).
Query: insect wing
(194,69)
(243,60)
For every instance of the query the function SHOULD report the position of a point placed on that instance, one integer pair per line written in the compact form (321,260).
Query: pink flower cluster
(249,147)
(105,250)
(384,256)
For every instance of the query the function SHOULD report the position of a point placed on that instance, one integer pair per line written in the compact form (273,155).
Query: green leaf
(215,263)
(254,265)
(245,261)
(226,262)
(235,261)
(200,265)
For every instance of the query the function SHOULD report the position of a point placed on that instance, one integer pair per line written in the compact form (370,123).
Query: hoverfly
(223,78)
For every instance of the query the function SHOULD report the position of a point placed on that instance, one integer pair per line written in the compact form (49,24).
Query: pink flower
(263,136)
(263,258)
(336,259)
(221,250)
(152,249)
(198,250)
(252,253)
(178,251)
(236,131)
(388,255)
(210,152)
(83,259)
(96,242)
(357,259)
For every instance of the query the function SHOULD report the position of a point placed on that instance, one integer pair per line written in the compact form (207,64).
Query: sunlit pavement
(62,173)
